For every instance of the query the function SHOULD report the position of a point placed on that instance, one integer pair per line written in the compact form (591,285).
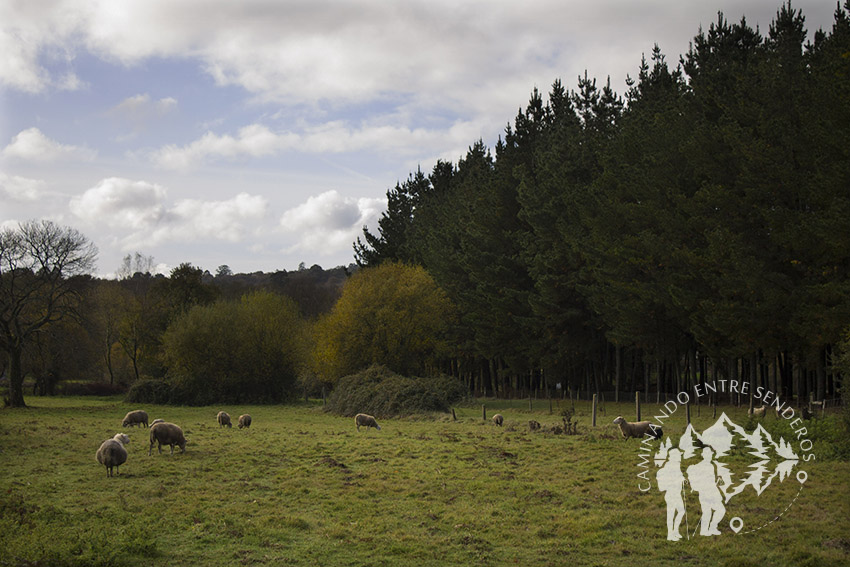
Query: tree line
(194,338)
(694,227)
(197,331)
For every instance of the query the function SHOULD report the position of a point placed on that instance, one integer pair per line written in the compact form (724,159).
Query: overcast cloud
(262,134)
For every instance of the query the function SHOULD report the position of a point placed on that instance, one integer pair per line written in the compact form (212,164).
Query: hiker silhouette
(671,481)
(703,480)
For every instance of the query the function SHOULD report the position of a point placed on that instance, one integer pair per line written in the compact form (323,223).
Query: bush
(89,389)
(392,314)
(381,392)
(150,391)
(247,351)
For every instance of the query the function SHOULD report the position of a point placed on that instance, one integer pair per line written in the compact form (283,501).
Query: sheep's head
(122,438)
(619,420)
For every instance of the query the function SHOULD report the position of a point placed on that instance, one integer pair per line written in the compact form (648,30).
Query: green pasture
(303,487)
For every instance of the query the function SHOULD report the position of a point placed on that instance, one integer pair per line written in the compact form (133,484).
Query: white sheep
(498,419)
(366,421)
(244,421)
(638,429)
(112,453)
(223,418)
(167,434)
(756,412)
(136,417)
(157,420)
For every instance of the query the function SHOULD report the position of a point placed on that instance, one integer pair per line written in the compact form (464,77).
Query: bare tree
(132,264)
(38,262)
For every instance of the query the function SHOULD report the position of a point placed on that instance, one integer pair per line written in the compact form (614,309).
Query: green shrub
(236,351)
(89,389)
(381,392)
(150,391)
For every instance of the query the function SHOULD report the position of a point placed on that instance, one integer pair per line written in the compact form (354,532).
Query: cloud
(141,107)
(121,203)
(254,140)
(141,210)
(16,188)
(257,140)
(468,55)
(228,220)
(32,145)
(329,222)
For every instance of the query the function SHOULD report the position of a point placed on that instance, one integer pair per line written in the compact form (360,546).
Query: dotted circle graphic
(777,517)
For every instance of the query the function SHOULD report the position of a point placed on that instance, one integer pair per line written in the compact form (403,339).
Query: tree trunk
(618,371)
(16,377)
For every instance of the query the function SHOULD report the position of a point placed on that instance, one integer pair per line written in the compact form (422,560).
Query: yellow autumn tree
(392,314)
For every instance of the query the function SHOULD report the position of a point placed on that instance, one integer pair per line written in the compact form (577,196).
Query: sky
(263,134)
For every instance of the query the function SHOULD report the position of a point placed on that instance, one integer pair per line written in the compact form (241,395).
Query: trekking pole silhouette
(685,506)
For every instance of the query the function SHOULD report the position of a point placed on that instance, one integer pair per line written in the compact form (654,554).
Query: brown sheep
(244,421)
(223,419)
(167,434)
(637,429)
(112,453)
(756,412)
(136,417)
(498,419)
(366,421)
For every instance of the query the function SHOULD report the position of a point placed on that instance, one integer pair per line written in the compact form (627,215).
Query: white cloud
(228,220)
(32,145)
(329,222)
(257,140)
(254,140)
(16,188)
(141,107)
(141,210)
(121,203)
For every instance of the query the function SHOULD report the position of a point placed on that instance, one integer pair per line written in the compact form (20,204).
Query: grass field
(302,487)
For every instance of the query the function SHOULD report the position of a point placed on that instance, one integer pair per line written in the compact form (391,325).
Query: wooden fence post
(594,410)
(637,405)
(688,411)
(484,412)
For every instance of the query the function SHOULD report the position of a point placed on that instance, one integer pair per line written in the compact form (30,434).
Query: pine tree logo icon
(716,466)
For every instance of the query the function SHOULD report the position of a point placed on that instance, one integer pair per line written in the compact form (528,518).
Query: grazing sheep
(638,429)
(112,453)
(154,422)
(498,419)
(167,434)
(756,412)
(137,417)
(244,421)
(366,421)
(223,418)
(534,425)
